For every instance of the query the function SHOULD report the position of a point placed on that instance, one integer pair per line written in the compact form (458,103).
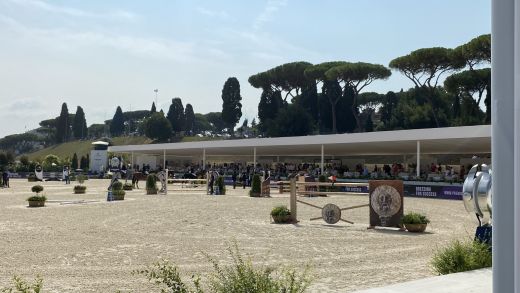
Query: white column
(504,146)
(516,113)
(164,159)
(254,157)
(418,168)
(203,159)
(322,162)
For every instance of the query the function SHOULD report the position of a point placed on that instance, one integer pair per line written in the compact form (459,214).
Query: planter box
(118,197)
(282,219)
(415,228)
(151,191)
(36,203)
(79,191)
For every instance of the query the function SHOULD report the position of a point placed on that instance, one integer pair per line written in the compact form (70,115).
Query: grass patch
(462,256)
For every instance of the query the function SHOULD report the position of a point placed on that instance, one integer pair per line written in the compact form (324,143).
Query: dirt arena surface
(94,247)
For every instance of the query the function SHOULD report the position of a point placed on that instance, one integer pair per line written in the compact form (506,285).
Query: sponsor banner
(434,191)
(453,192)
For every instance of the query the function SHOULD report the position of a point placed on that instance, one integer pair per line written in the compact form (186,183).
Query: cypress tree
(231,106)
(117,126)
(79,125)
(62,125)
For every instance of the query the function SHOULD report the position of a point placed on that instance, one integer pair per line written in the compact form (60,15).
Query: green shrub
(241,276)
(128,186)
(81,178)
(37,198)
(280,211)
(117,186)
(21,286)
(37,189)
(221,186)
(118,192)
(256,186)
(151,182)
(80,188)
(461,257)
(414,218)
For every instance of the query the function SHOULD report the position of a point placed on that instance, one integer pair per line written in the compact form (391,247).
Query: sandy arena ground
(94,247)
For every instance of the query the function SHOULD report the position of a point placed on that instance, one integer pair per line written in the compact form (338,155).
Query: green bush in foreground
(241,276)
(21,286)
(462,256)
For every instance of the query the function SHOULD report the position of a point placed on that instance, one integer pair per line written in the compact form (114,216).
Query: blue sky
(101,54)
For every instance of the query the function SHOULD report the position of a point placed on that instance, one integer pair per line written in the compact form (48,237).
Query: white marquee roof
(449,140)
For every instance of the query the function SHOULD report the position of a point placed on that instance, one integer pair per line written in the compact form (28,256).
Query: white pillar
(254,157)
(505,146)
(418,168)
(203,159)
(322,162)
(164,159)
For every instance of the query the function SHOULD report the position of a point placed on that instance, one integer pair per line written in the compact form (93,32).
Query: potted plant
(151,187)
(128,186)
(80,188)
(221,187)
(117,191)
(37,200)
(256,188)
(415,222)
(31,178)
(281,215)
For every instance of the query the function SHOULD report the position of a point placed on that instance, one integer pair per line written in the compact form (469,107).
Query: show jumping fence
(301,189)
(188,185)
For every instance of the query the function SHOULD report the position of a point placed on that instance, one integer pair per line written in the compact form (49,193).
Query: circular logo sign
(385,200)
(331,213)
(114,162)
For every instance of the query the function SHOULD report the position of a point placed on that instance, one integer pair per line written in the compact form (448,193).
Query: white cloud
(212,13)
(65,39)
(74,12)
(269,12)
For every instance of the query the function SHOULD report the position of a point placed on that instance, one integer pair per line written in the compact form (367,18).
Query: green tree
(201,123)
(389,104)
(84,162)
(289,78)
(424,67)
(79,125)
(157,127)
(190,118)
(62,125)
(268,108)
(215,119)
(97,130)
(469,82)
(153,109)
(231,106)
(292,120)
(357,76)
(176,115)
(475,52)
(117,126)
(74,162)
